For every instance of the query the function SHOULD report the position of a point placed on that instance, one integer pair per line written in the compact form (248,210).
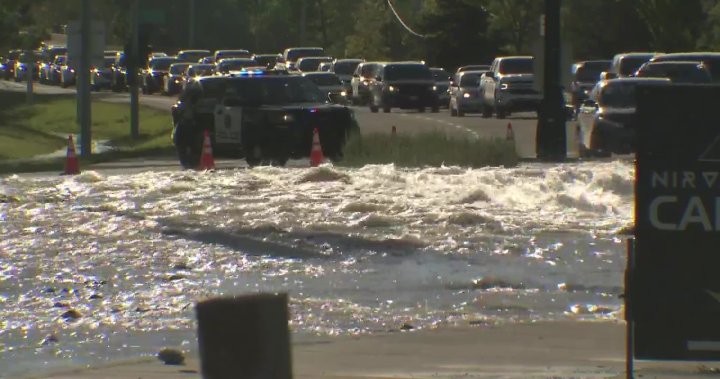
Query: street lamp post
(551,142)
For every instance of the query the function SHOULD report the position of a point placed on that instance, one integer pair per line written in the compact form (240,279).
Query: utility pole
(82,80)
(29,72)
(135,48)
(551,142)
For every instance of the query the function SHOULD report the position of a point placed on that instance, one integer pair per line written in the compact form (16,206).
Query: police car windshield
(275,90)
(325,80)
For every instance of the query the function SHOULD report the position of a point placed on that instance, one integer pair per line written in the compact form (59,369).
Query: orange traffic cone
(207,162)
(72,166)
(316,154)
(510,135)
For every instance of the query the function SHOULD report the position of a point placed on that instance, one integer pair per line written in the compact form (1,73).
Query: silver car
(329,84)
(465,93)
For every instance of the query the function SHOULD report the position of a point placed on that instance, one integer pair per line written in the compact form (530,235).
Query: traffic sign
(674,283)
(97,43)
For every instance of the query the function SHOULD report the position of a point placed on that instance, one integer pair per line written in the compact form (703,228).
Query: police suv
(263,115)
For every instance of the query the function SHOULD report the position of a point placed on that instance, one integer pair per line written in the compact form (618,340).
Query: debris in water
(171,356)
(71,315)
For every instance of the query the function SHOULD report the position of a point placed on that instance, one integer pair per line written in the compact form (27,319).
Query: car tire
(460,113)
(487,111)
(386,109)
(374,108)
(421,110)
(435,109)
(500,113)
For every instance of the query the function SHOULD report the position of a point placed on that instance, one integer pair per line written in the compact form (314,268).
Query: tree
(673,25)
(457,33)
(601,29)
(515,23)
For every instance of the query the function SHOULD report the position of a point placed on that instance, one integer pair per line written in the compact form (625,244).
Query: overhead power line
(403,22)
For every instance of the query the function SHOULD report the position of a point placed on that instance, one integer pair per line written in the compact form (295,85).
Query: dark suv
(266,117)
(405,85)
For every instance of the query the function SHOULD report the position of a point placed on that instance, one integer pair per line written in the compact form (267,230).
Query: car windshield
(470,80)
(233,54)
(629,65)
(407,72)
(712,62)
(618,95)
(193,56)
(325,80)
(296,54)
(516,66)
(178,68)
(235,64)
(679,73)
(161,64)
(441,75)
(310,64)
(266,60)
(345,67)
(590,71)
(276,90)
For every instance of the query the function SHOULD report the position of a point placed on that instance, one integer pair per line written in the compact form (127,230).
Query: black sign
(674,288)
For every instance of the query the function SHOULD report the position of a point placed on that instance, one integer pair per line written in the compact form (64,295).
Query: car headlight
(391,89)
(466,95)
(343,93)
(288,118)
(504,86)
(434,88)
(364,82)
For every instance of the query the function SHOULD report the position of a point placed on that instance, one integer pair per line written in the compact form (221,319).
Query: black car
(405,85)
(154,75)
(118,79)
(585,75)
(174,82)
(8,64)
(267,117)
(266,60)
(230,65)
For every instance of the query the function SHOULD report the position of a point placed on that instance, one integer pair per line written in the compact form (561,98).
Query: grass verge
(28,131)
(428,149)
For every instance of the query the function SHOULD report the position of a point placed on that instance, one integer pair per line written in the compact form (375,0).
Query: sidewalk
(539,350)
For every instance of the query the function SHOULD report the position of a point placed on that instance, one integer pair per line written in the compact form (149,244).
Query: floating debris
(50,339)
(71,315)
(406,326)
(171,356)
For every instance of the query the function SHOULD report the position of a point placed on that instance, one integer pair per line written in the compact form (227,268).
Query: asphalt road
(523,125)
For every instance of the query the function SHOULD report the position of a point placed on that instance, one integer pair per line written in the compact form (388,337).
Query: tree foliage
(455,32)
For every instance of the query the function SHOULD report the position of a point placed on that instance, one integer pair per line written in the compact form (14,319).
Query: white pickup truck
(508,87)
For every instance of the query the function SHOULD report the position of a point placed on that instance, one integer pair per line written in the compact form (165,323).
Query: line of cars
(265,114)
(603,93)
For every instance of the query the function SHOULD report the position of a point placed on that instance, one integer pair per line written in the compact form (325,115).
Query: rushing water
(96,268)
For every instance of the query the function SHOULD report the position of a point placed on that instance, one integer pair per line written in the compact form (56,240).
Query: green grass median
(27,132)
(428,149)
